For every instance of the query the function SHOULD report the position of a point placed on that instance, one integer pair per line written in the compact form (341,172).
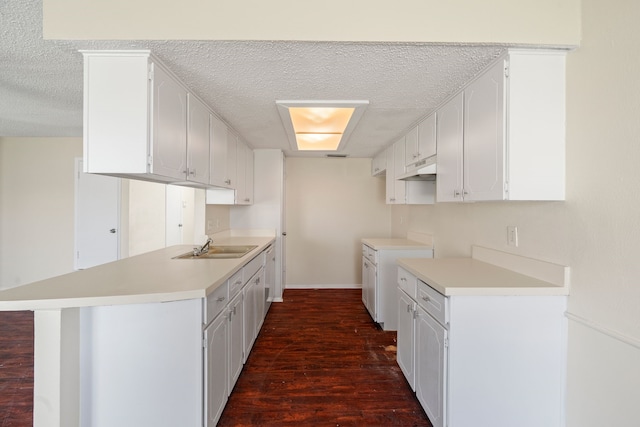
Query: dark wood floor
(320,360)
(16,368)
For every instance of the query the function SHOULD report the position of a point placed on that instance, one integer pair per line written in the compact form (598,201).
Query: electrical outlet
(512,235)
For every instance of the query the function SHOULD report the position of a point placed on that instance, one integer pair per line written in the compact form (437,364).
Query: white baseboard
(300,286)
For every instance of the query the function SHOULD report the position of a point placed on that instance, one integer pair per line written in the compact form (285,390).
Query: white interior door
(97,219)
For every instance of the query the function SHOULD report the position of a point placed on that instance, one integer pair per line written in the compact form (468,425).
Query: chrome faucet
(203,249)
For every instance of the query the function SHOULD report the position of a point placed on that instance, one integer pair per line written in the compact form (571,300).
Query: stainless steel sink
(220,251)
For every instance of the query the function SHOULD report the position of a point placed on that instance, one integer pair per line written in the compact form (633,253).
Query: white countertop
(471,276)
(146,278)
(395,244)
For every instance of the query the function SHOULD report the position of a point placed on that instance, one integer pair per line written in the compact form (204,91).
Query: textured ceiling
(41,80)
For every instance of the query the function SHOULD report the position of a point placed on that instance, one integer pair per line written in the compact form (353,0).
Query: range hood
(424,170)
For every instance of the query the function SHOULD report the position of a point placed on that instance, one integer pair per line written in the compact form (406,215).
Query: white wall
(534,22)
(596,231)
(36,208)
(331,205)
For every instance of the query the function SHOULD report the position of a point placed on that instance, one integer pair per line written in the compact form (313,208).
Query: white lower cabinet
(379,280)
(497,358)
(216,357)
(228,339)
(236,347)
(431,366)
(253,309)
(405,337)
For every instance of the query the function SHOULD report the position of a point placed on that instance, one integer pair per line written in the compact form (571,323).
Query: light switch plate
(512,235)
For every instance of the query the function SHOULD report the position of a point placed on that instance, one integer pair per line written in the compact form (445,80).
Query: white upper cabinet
(513,144)
(395,189)
(449,163)
(198,141)
(420,142)
(218,153)
(244,174)
(398,157)
(141,122)
(379,163)
(427,138)
(169,126)
(411,150)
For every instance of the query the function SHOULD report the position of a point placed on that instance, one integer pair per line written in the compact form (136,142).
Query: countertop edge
(163,295)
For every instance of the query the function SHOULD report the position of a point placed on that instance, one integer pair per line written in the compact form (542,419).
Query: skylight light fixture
(320,125)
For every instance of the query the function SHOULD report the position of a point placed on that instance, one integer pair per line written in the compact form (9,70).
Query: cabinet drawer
(235,284)
(216,301)
(369,253)
(252,267)
(407,282)
(433,302)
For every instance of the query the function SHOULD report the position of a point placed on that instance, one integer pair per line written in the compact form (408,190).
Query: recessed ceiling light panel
(320,125)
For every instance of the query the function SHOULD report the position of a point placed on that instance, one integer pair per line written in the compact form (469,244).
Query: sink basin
(220,251)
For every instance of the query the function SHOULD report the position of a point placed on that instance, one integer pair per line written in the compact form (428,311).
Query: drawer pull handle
(220,299)
(426,298)
(403,279)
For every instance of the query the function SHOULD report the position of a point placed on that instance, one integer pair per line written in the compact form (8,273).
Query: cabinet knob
(112,231)
(220,299)
(403,279)
(456,193)
(247,200)
(227,181)
(426,298)
(192,172)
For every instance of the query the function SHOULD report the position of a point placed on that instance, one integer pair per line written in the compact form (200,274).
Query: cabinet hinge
(446,342)
(204,343)
(78,255)
(149,160)
(506,187)
(150,71)
(506,70)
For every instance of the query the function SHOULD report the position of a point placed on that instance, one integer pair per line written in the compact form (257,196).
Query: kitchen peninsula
(122,343)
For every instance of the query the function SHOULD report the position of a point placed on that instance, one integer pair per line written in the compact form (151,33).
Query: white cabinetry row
(482,357)
(141,122)
(379,282)
(502,137)
(234,314)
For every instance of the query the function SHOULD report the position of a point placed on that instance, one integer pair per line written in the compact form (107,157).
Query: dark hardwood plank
(16,368)
(320,360)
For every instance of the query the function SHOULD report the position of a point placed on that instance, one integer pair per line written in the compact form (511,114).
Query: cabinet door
(241,168)
(236,347)
(216,393)
(399,157)
(198,129)
(218,153)
(395,189)
(405,355)
(427,138)
(248,184)
(379,163)
(232,143)
(169,127)
(431,367)
(450,145)
(368,287)
(484,136)
(249,296)
(259,300)
(411,147)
